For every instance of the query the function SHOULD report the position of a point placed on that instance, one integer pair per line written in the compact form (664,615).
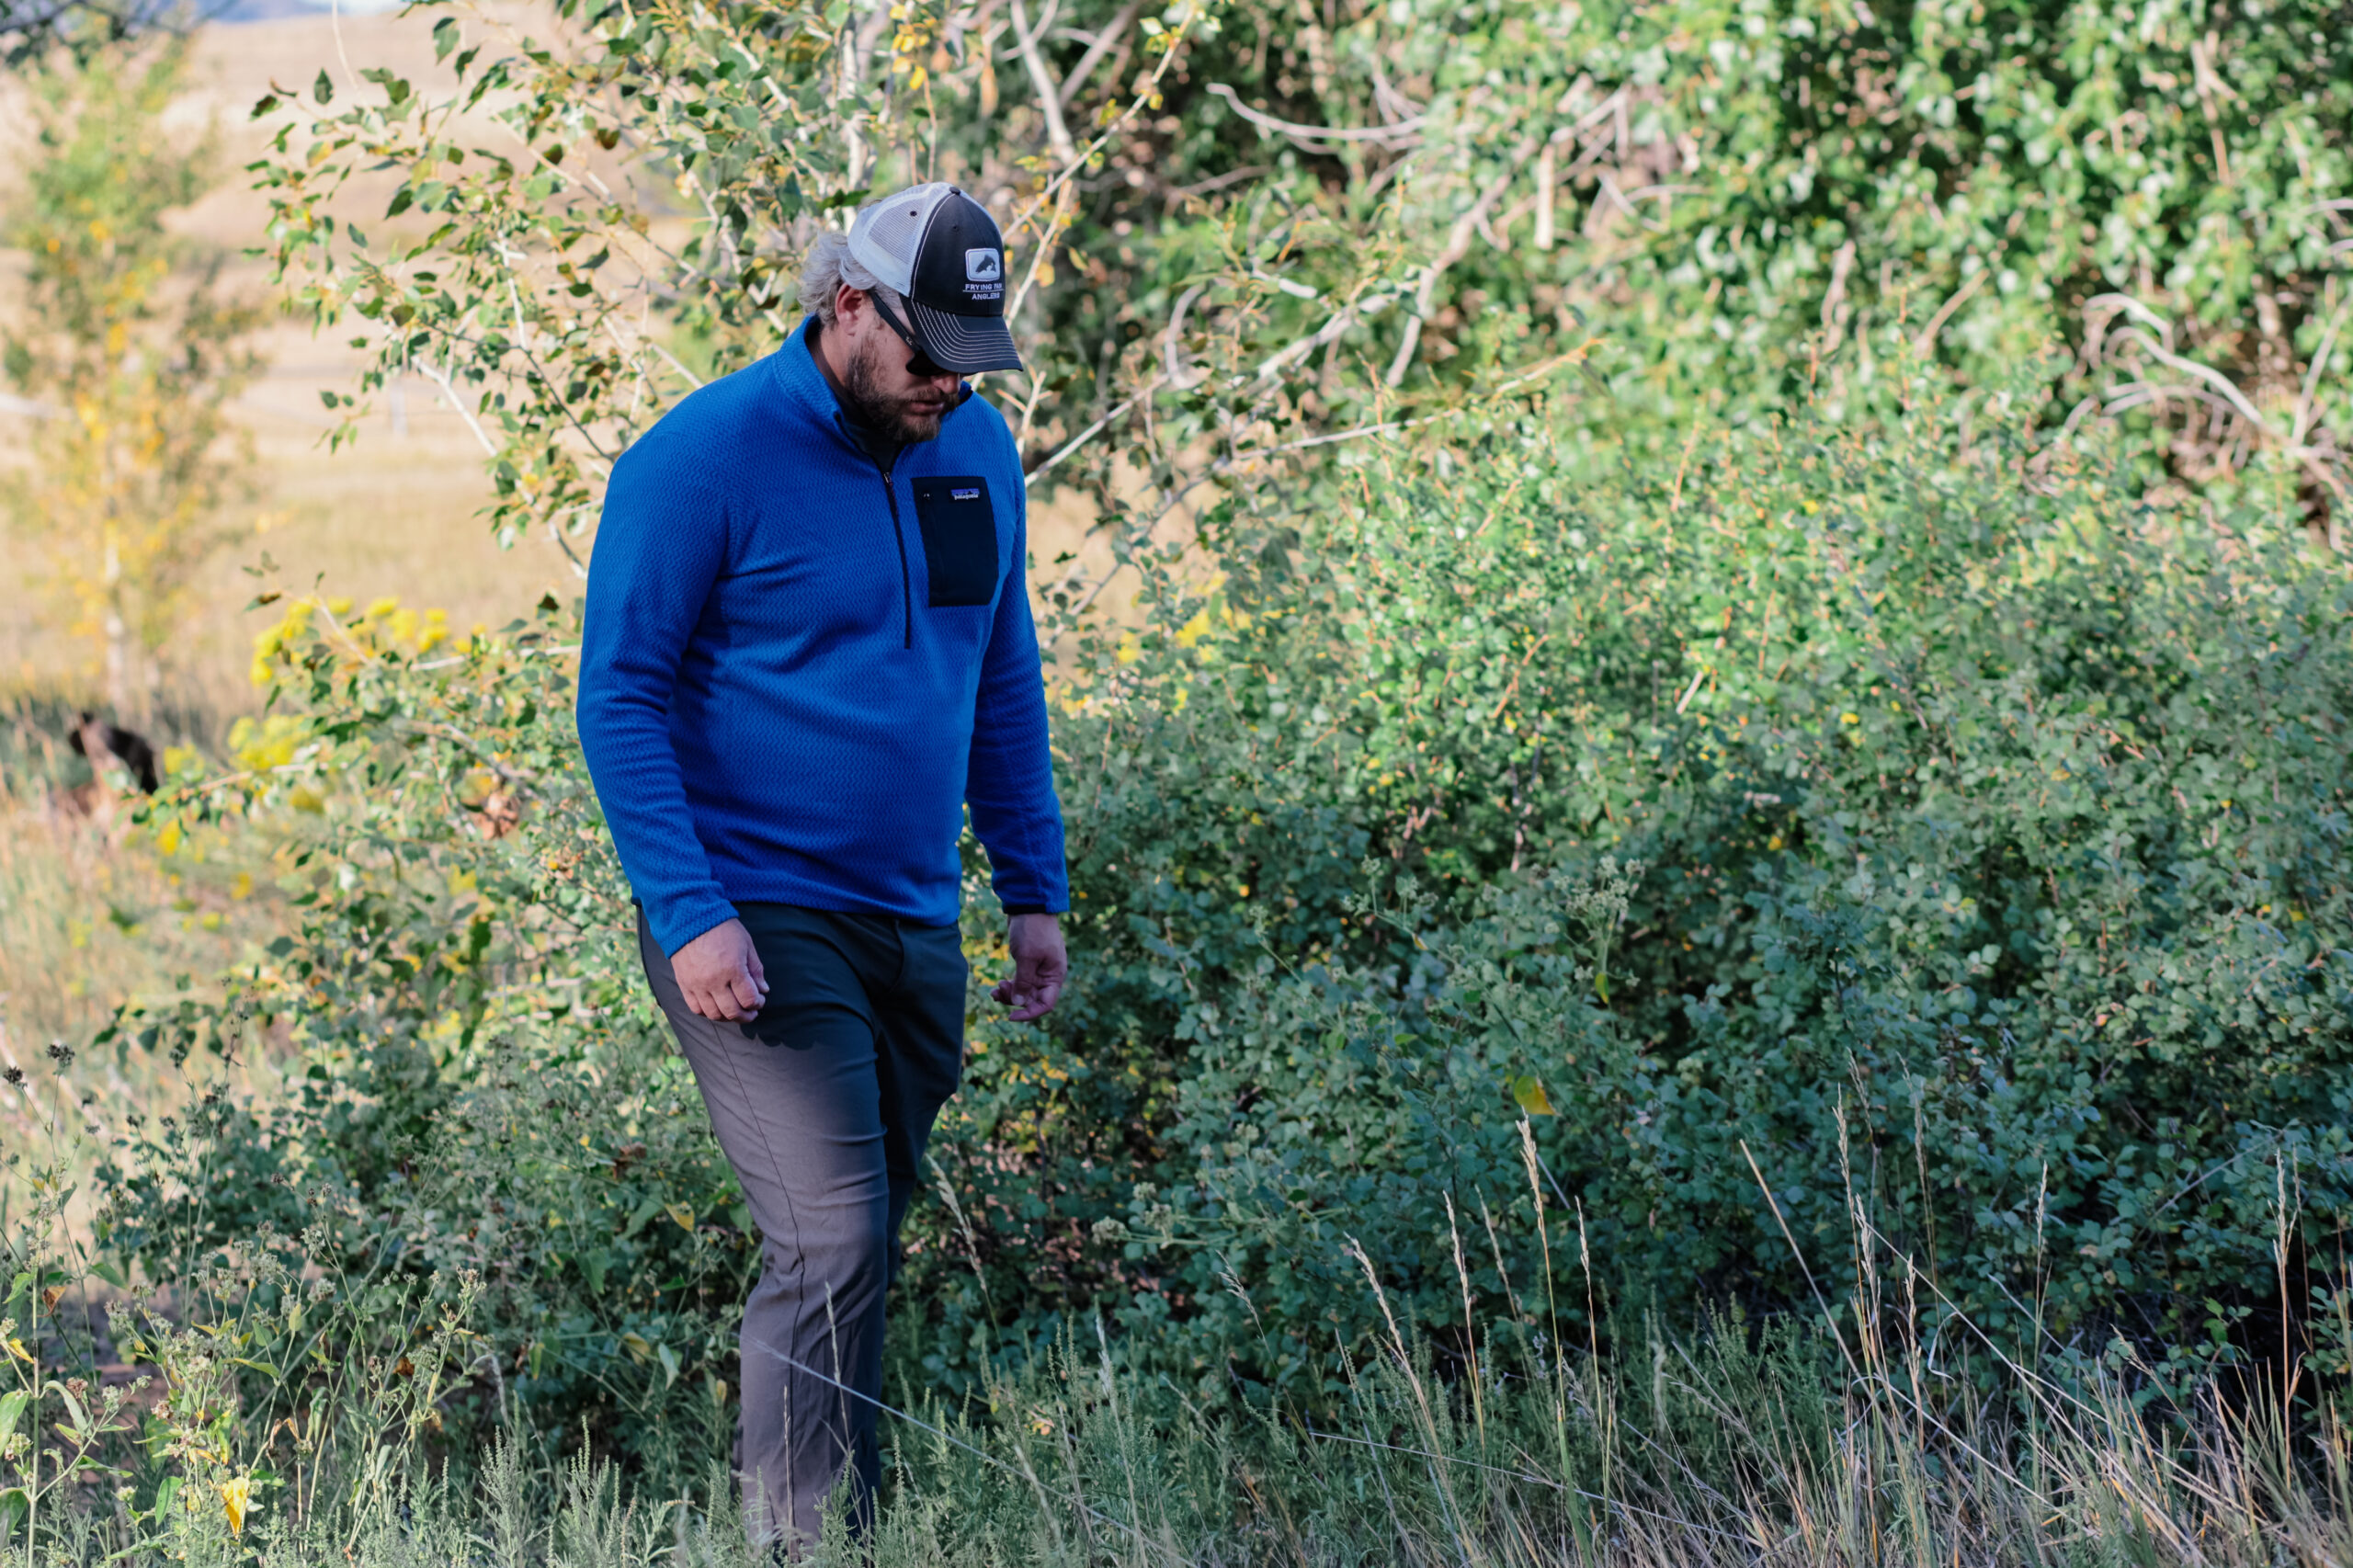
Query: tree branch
(1075,83)
(1049,91)
(1399,134)
(1458,244)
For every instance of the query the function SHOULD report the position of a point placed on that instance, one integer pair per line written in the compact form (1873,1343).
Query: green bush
(1923,830)
(1994,889)
(476,1079)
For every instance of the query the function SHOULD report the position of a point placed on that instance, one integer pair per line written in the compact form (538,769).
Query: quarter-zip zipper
(898,532)
(898,529)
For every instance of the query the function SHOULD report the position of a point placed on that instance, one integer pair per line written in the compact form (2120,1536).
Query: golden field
(395,514)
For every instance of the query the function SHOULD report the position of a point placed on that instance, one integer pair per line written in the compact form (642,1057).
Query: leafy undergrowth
(307,1415)
(1889,887)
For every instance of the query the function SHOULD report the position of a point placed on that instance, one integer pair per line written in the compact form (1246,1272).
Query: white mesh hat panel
(885,236)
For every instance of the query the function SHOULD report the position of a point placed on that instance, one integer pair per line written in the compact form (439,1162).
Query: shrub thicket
(1934,838)
(1992,886)
(1228,220)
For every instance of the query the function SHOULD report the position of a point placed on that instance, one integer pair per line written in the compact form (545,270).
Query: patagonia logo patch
(964,495)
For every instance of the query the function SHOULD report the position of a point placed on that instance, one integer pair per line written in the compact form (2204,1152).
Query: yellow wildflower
(236,1496)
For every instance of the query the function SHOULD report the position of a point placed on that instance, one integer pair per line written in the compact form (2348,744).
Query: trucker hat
(940,251)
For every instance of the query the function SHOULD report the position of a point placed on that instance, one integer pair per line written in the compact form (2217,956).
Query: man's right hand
(720,974)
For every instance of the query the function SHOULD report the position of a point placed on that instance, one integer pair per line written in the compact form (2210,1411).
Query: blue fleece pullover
(797,670)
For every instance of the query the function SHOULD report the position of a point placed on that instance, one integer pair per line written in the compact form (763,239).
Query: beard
(893,418)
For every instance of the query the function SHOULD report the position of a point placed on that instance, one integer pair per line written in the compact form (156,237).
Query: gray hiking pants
(823,1104)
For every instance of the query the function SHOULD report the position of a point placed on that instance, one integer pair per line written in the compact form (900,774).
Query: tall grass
(278,1407)
(274,1404)
(353,1420)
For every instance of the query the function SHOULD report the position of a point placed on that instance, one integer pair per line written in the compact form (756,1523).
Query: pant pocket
(661,980)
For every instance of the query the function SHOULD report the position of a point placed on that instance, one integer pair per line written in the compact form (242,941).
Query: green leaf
(322,90)
(445,37)
(12,1410)
(1528,1090)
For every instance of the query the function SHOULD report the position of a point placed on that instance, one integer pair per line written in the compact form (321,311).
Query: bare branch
(1841,263)
(1402,133)
(1089,433)
(1218,182)
(440,377)
(1182,376)
(2304,403)
(579,567)
(1075,83)
(1370,305)
(1049,91)
(1927,341)
(1458,244)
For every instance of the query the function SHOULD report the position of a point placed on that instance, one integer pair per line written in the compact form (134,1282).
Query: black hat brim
(966,345)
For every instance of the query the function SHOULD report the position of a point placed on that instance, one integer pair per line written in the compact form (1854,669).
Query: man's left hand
(1039,968)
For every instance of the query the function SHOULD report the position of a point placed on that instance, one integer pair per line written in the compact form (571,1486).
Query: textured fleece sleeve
(1010,784)
(659,548)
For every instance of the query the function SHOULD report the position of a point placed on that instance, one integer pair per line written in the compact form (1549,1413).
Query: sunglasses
(920,365)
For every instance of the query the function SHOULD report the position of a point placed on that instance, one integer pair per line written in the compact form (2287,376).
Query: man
(809,648)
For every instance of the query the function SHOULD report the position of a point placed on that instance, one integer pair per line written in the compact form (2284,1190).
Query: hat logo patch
(984,265)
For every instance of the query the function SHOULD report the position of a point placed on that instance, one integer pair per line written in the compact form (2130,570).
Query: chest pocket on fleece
(959,539)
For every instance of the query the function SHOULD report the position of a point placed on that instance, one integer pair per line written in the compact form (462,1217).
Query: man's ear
(849,303)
